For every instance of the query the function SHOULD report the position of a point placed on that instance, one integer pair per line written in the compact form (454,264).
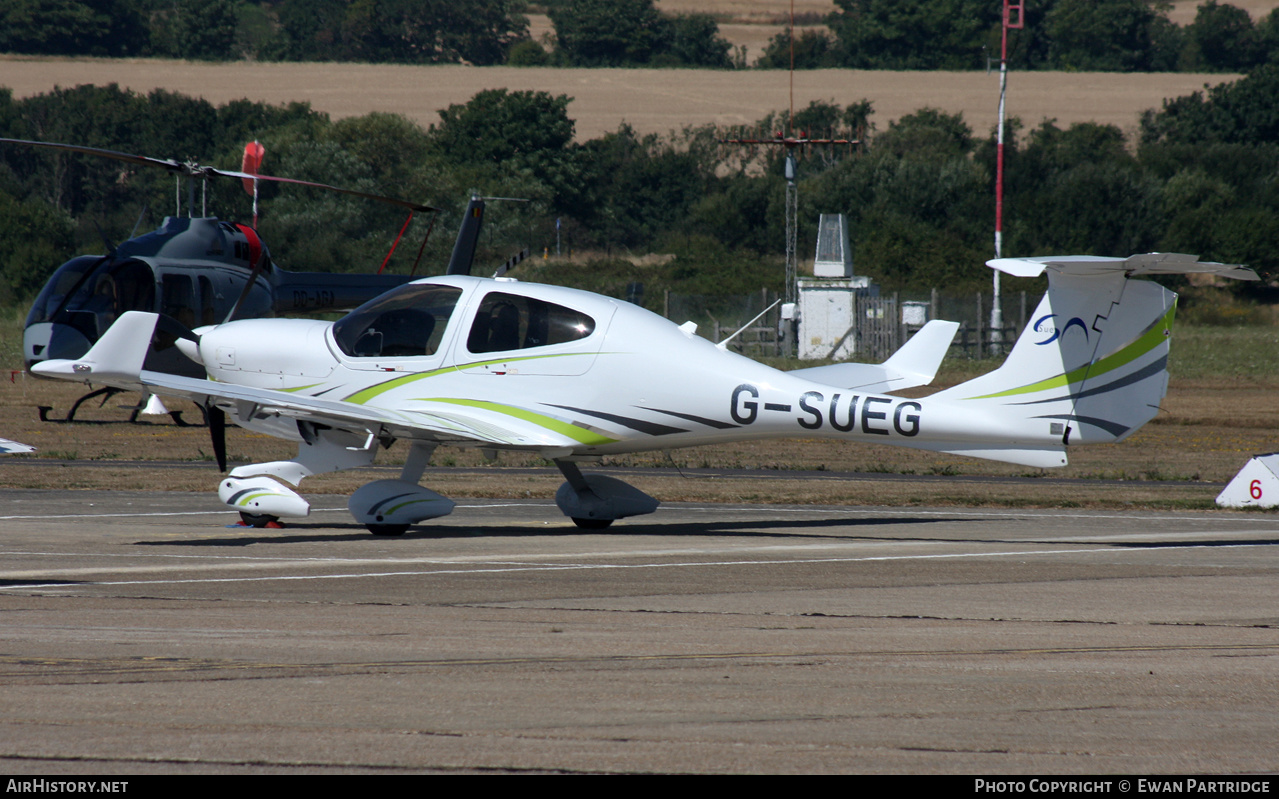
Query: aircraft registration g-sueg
(495,363)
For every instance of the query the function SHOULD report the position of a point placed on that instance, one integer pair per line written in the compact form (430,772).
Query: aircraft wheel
(387,529)
(592,524)
(257,519)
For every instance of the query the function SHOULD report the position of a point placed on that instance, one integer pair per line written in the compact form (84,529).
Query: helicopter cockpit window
(69,278)
(177,294)
(511,322)
(98,296)
(407,322)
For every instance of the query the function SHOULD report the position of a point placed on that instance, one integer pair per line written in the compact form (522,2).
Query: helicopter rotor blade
(192,169)
(248,287)
(313,185)
(140,160)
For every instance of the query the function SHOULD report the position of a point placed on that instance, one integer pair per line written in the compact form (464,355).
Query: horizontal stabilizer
(1153,263)
(915,364)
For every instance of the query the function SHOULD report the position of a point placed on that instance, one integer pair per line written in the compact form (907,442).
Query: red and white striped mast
(1011,8)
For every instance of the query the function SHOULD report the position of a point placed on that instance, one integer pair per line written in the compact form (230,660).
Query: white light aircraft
(494,363)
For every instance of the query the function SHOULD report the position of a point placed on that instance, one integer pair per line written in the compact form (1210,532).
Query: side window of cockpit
(178,298)
(208,311)
(407,322)
(511,322)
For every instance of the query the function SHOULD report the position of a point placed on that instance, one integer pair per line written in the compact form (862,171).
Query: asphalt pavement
(141,634)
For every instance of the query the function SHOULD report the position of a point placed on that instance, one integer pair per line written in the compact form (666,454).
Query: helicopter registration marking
(320,298)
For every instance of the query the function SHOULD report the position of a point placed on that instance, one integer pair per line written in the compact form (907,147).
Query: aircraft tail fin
(467,237)
(1092,364)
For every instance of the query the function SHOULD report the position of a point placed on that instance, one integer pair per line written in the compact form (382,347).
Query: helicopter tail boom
(305,292)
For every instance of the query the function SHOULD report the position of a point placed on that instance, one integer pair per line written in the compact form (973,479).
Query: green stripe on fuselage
(1150,338)
(365,394)
(579,434)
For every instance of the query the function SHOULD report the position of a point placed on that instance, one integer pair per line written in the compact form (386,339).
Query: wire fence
(881,324)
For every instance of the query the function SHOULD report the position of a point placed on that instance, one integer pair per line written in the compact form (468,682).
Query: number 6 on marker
(1254,488)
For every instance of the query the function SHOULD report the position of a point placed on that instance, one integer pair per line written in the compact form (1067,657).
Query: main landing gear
(594,501)
(264,492)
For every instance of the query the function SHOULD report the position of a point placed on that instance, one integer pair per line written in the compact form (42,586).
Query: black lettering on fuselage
(911,419)
(868,415)
(816,422)
(745,407)
(852,413)
(746,411)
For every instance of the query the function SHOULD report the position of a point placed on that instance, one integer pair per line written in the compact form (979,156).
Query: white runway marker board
(1256,485)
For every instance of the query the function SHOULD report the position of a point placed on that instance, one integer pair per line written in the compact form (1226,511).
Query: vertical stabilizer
(1093,362)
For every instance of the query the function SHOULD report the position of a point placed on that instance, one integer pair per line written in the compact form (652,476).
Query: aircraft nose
(44,340)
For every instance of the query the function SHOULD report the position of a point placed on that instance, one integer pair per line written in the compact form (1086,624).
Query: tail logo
(1046,325)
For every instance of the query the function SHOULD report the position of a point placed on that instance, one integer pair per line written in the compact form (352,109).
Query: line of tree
(1098,35)
(1203,177)
(1077,35)
(589,32)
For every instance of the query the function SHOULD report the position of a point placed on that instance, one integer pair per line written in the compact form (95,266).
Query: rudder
(1093,360)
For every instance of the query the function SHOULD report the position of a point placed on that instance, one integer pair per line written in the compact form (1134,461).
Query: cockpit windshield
(69,277)
(406,322)
(91,292)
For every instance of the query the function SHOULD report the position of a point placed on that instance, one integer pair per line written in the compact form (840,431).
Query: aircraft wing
(116,360)
(914,364)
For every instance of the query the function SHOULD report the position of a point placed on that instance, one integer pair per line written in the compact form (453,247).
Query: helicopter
(198,270)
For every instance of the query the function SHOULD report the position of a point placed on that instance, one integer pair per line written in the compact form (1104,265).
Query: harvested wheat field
(650,100)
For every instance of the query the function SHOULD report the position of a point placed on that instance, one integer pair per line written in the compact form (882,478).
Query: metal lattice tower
(791,143)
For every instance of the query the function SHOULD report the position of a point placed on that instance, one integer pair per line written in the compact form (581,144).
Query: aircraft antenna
(138,224)
(793,143)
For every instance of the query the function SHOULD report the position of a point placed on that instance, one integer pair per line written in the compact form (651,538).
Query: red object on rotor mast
(251,163)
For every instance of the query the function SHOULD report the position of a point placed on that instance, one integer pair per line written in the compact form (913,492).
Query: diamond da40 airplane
(495,363)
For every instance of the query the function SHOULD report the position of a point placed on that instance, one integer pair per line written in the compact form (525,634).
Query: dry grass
(651,100)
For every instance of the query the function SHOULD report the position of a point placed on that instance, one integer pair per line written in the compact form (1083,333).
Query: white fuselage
(635,382)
